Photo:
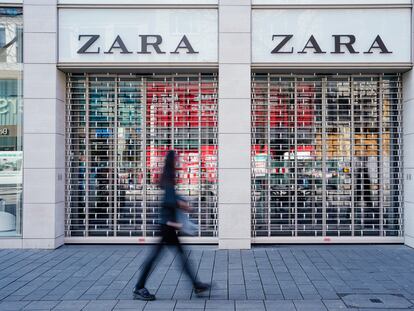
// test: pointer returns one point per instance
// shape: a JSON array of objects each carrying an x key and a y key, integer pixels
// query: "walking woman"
[{"x": 169, "y": 225}]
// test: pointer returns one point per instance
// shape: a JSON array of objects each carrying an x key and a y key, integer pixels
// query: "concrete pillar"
[
  {"x": 408, "y": 130},
  {"x": 408, "y": 145},
  {"x": 44, "y": 158},
  {"x": 234, "y": 124}
]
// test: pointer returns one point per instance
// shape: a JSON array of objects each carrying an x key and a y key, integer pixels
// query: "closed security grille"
[
  {"x": 326, "y": 156},
  {"x": 118, "y": 130}
]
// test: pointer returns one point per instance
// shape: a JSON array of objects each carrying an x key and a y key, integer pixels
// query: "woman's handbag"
[{"x": 188, "y": 227}]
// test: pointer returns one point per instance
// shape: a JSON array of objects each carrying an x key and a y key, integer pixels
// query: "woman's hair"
[{"x": 168, "y": 174}]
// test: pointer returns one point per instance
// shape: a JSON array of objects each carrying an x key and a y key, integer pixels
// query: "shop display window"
[
  {"x": 326, "y": 155},
  {"x": 120, "y": 128},
  {"x": 11, "y": 120}
]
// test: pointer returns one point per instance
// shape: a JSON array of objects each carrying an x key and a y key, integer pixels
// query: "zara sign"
[
  {"x": 342, "y": 44},
  {"x": 138, "y": 36},
  {"x": 148, "y": 45},
  {"x": 331, "y": 36}
]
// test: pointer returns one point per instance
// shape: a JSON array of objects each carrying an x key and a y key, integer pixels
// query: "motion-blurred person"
[{"x": 171, "y": 203}]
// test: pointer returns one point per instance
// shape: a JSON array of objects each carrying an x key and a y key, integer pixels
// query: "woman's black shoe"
[
  {"x": 143, "y": 294},
  {"x": 201, "y": 287}
]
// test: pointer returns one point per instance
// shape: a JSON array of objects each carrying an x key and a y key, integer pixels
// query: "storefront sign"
[
  {"x": 137, "y": 36},
  {"x": 342, "y": 44},
  {"x": 331, "y": 36},
  {"x": 148, "y": 44},
  {"x": 10, "y": 106}
]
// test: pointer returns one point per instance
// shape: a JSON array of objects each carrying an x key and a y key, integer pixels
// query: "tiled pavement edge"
[{"x": 299, "y": 278}]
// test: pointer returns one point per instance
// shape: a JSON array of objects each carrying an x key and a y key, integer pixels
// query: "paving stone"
[
  {"x": 219, "y": 285},
  {"x": 14, "y": 298},
  {"x": 110, "y": 294},
  {"x": 255, "y": 294},
  {"x": 273, "y": 297},
  {"x": 307, "y": 289},
  {"x": 160, "y": 305},
  {"x": 249, "y": 305},
  {"x": 191, "y": 305},
  {"x": 41, "y": 305},
  {"x": 328, "y": 294},
  {"x": 218, "y": 294},
  {"x": 165, "y": 292},
  {"x": 13, "y": 305},
  {"x": 237, "y": 292},
  {"x": 106, "y": 274},
  {"x": 280, "y": 305},
  {"x": 100, "y": 305},
  {"x": 182, "y": 294},
  {"x": 71, "y": 305},
  {"x": 130, "y": 304},
  {"x": 334, "y": 305},
  {"x": 225, "y": 305},
  {"x": 309, "y": 305}
]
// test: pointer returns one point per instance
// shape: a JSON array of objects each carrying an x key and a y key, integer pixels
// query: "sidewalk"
[{"x": 302, "y": 278}]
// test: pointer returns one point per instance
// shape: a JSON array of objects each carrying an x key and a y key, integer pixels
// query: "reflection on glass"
[
  {"x": 120, "y": 128},
  {"x": 326, "y": 155},
  {"x": 11, "y": 152}
]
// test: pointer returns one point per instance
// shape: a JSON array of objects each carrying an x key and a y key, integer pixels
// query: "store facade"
[{"x": 292, "y": 121}]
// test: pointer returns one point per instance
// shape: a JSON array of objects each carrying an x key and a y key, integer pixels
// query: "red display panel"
[
  {"x": 159, "y": 104},
  {"x": 188, "y": 167},
  {"x": 155, "y": 162},
  {"x": 280, "y": 109},
  {"x": 188, "y": 164},
  {"x": 209, "y": 164},
  {"x": 208, "y": 105},
  {"x": 279, "y": 113},
  {"x": 306, "y": 99},
  {"x": 182, "y": 106}
]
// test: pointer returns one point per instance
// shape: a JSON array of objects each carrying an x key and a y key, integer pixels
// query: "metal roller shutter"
[
  {"x": 326, "y": 156},
  {"x": 118, "y": 130}
]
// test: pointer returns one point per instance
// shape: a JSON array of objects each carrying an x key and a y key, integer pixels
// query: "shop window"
[
  {"x": 3, "y": 49},
  {"x": 11, "y": 114},
  {"x": 120, "y": 129},
  {"x": 326, "y": 154}
]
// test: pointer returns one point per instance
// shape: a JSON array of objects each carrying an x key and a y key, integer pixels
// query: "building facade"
[{"x": 292, "y": 120}]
